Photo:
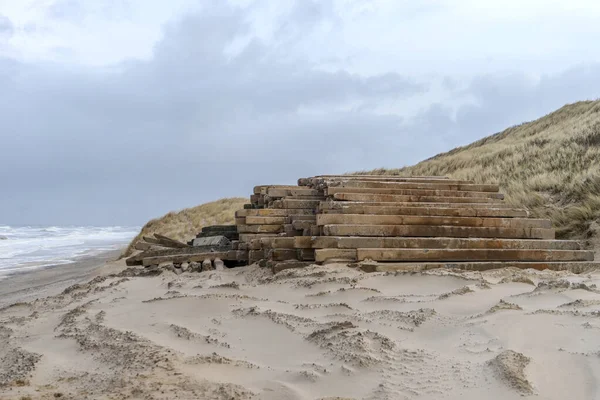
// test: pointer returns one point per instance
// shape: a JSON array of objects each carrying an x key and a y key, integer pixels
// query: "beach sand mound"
[{"x": 510, "y": 365}]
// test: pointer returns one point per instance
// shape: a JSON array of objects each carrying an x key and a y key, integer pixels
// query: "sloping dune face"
[
  {"x": 550, "y": 166},
  {"x": 313, "y": 333}
]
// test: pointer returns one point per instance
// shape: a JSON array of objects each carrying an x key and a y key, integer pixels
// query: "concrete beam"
[
  {"x": 272, "y": 212},
  {"x": 473, "y": 255},
  {"x": 247, "y": 237},
  {"x": 575, "y": 267},
  {"x": 303, "y": 242},
  {"x": 260, "y": 228},
  {"x": 266, "y": 220},
  {"x": 181, "y": 258},
  {"x": 342, "y": 242},
  {"x": 437, "y": 231},
  {"x": 358, "y": 219},
  {"x": 322, "y": 255},
  {"x": 280, "y": 266},
  {"x": 283, "y": 254},
  {"x": 367, "y": 197},
  {"x": 283, "y": 243},
  {"x": 415, "y": 185},
  {"x": 414, "y": 192},
  {"x": 337, "y": 205},
  {"x": 352, "y": 208},
  {"x": 293, "y": 192}
]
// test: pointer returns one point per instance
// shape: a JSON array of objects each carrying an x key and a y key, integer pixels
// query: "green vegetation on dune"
[
  {"x": 550, "y": 166},
  {"x": 185, "y": 224}
]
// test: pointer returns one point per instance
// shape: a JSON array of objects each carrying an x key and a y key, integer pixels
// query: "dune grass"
[
  {"x": 185, "y": 224},
  {"x": 550, "y": 166}
]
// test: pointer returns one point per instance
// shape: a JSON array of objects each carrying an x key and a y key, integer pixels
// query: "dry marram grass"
[
  {"x": 185, "y": 224},
  {"x": 550, "y": 166}
]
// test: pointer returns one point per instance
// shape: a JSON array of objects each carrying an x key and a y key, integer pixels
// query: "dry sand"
[{"x": 316, "y": 333}]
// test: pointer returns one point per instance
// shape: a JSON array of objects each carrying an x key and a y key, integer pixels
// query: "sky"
[{"x": 113, "y": 112}]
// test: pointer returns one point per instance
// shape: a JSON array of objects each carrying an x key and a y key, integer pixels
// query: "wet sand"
[
  {"x": 323, "y": 332},
  {"x": 32, "y": 284}
]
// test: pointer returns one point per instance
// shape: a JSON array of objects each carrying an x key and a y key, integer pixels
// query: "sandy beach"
[
  {"x": 32, "y": 284},
  {"x": 323, "y": 332}
]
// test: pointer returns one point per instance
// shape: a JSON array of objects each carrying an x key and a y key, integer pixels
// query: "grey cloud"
[
  {"x": 192, "y": 125},
  {"x": 6, "y": 27},
  {"x": 122, "y": 145}
]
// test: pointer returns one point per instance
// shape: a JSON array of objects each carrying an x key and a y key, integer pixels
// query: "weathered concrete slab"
[
  {"x": 255, "y": 244},
  {"x": 322, "y": 255},
  {"x": 283, "y": 243},
  {"x": 255, "y": 256},
  {"x": 283, "y": 254},
  {"x": 378, "y": 176},
  {"x": 437, "y": 231},
  {"x": 263, "y": 189},
  {"x": 211, "y": 241},
  {"x": 147, "y": 246},
  {"x": 260, "y": 228},
  {"x": 280, "y": 266},
  {"x": 272, "y": 212},
  {"x": 273, "y": 201},
  {"x": 419, "y": 199},
  {"x": 301, "y": 225},
  {"x": 575, "y": 267},
  {"x": 356, "y": 219},
  {"x": 138, "y": 258},
  {"x": 188, "y": 257},
  {"x": 414, "y": 192},
  {"x": 236, "y": 255},
  {"x": 320, "y": 183},
  {"x": 303, "y": 242},
  {"x": 247, "y": 237},
  {"x": 266, "y": 220},
  {"x": 302, "y": 218},
  {"x": 337, "y": 205},
  {"x": 315, "y": 230},
  {"x": 299, "y": 204},
  {"x": 289, "y": 230},
  {"x": 306, "y": 254},
  {"x": 207, "y": 264},
  {"x": 345, "y": 242},
  {"x": 352, "y": 208},
  {"x": 163, "y": 243},
  {"x": 473, "y": 255},
  {"x": 293, "y": 191},
  {"x": 414, "y": 185},
  {"x": 265, "y": 242}
]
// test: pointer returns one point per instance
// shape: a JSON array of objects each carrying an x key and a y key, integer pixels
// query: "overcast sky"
[{"x": 113, "y": 112}]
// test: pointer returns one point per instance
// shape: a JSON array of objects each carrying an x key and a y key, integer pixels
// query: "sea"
[{"x": 26, "y": 248}]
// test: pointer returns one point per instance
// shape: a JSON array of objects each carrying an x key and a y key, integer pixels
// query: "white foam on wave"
[{"x": 28, "y": 247}]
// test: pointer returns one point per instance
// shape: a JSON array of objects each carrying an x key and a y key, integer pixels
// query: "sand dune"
[{"x": 323, "y": 332}]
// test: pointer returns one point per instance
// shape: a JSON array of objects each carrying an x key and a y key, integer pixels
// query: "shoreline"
[{"x": 31, "y": 284}]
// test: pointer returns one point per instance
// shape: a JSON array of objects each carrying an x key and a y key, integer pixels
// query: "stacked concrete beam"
[
  {"x": 432, "y": 220},
  {"x": 277, "y": 211},
  {"x": 399, "y": 222}
]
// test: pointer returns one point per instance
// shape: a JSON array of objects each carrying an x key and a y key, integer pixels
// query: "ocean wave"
[{"x": 40, "y": 246}]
